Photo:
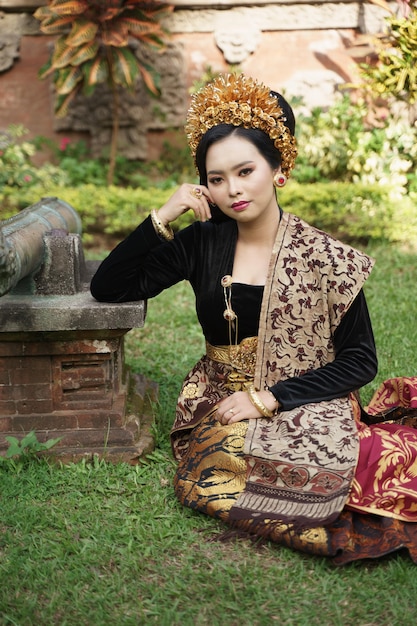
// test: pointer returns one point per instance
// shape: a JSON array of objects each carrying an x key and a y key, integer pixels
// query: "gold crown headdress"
[{"x": 241, "y": 101}]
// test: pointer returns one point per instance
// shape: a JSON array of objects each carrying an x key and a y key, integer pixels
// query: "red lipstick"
[{"x": 240, "y": 206}]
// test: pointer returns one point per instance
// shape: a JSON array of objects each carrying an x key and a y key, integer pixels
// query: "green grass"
[
  {"x": 96, "y": 544},
  {"x": 392, "y": 298}
]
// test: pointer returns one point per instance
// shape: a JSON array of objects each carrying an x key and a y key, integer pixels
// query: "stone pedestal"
[{"x": 62, "y": 374}]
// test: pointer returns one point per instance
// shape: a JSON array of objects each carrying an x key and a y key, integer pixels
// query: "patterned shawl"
[{"x": 301, "y": 463}]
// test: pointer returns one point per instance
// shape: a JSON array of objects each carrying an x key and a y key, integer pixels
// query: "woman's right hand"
[{"x": 188, "y": 197}]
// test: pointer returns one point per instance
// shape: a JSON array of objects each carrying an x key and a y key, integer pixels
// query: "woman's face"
[{"x": 240, "y": 180}]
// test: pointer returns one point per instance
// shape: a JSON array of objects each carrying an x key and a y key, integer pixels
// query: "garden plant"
[{"x": 94, "y": 46}]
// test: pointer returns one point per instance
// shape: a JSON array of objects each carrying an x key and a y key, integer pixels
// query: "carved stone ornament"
[
  {"x": 238, "y": 43},
  {"x": 10, "y": 33}
]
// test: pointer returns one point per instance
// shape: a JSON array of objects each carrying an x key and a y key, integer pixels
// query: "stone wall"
[{"x": 301, "y": 48}]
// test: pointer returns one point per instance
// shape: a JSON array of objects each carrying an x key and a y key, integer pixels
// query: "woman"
[{"x": 268, "y": 432}]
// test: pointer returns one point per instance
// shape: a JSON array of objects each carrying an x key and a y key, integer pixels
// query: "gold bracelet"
[
  {"x": 257, "y": 402},
  {"x": 163, "y": 231}
]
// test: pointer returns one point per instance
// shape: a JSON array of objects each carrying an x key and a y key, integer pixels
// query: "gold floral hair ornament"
[{"x": 241, "y": 101}]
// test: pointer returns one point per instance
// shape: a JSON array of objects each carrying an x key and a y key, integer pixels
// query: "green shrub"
[
  {"x": 338, "y": 144},
  {"x": 352, "y": 212},
  {"x": 114, "y": 211},
  {"x": 15, "y": 154},
  {"x": 16, "y": 168},
  {"x": 174, "y": 166}
]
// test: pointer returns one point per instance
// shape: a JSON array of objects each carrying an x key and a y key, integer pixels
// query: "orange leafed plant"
[{"x": 92, "y": 45}]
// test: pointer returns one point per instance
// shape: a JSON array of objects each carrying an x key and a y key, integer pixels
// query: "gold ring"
[{"x": 196, "y": 192}]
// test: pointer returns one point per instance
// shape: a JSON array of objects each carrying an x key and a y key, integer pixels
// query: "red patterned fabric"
[
  {"x": 392, "y": 393},
  {"x": 385, "y": 480}
]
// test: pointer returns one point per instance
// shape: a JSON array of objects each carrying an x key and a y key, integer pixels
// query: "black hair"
[{"x": 289, "y": 120}]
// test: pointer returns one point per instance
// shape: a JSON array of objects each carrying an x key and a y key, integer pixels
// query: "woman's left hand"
[{"x": 238, "y": 407}]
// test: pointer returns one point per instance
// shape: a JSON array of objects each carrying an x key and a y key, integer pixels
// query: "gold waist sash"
[{"x": 241, "y": 357}]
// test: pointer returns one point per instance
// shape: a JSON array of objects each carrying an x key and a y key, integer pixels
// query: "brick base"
[{"x": 75, "y": 386}]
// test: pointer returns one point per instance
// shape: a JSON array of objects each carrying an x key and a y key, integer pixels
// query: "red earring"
[{"x": 279, "y": 179}]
